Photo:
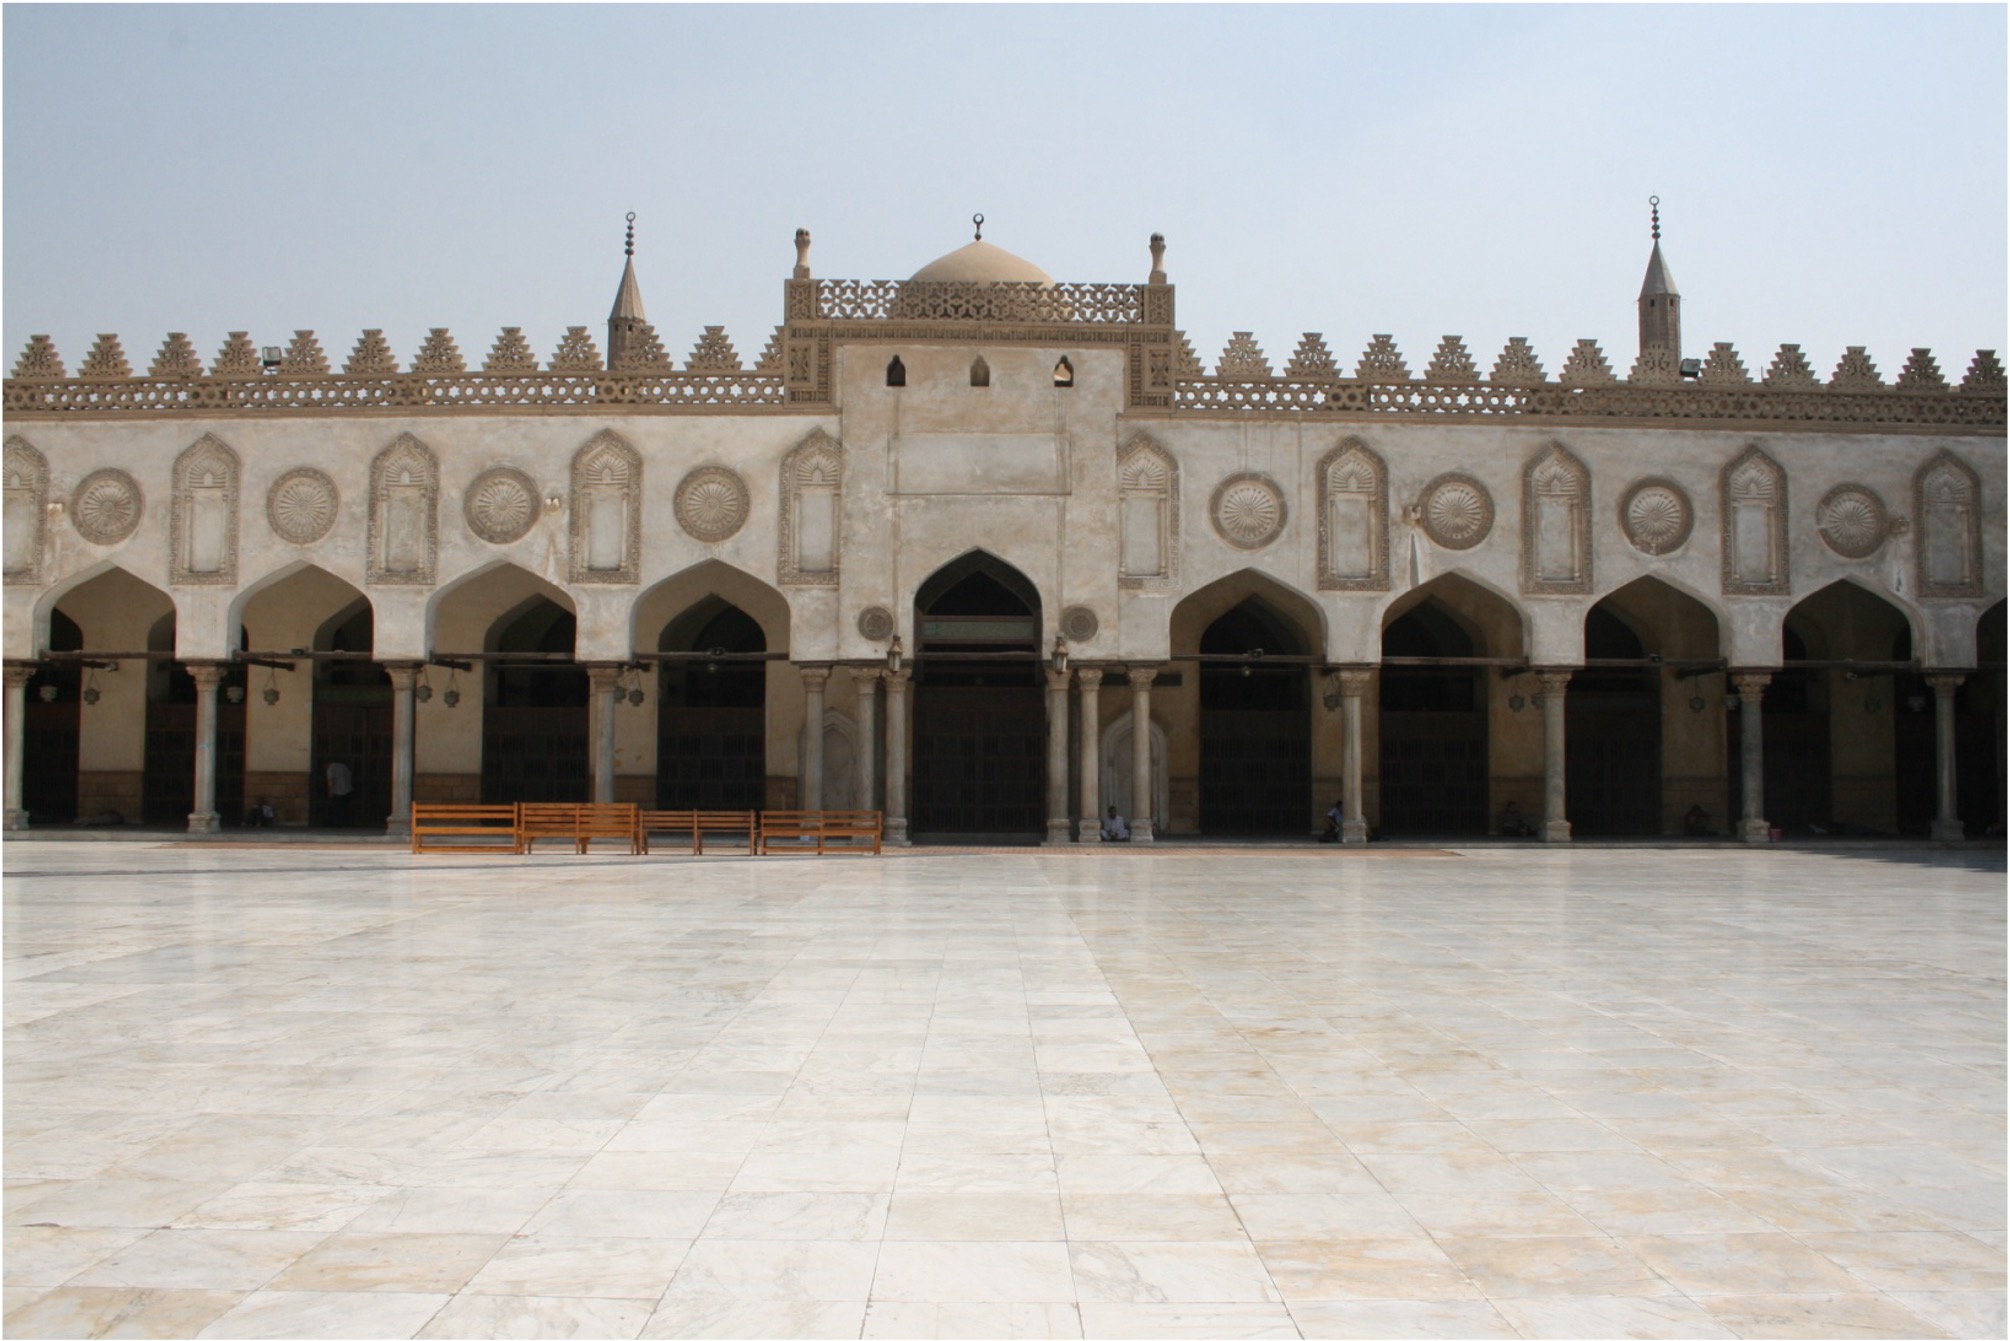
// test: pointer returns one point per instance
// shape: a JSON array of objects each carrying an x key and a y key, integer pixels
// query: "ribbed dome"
[{"x": 982, "y": 263}]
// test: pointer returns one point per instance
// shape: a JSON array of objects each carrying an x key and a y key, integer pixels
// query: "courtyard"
[{"x": 333, "y": 1090}]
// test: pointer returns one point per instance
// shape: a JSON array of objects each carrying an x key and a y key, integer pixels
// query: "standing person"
[
  {"x": 341, "y": 795},
  {"x": 1116, "y": 829}
]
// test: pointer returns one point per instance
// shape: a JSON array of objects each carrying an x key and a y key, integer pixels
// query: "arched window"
[
  {"x": 1064, "y": 373},
  {"x": 980, "y": 372},
  {"x": 896, "y": 372}
]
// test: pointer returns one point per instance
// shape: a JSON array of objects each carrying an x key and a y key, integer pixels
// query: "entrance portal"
[
  {"x": 1612, "y": 731},
  {"x": 534, "y": 713},
  {"x": 1434, "y": 728},
  {"x": 1255, "y": 725},
  {"x": 711, "y": 722},
  {"x": 980, "y": 726}
]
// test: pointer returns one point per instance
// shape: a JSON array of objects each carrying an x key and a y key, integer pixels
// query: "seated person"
[
  {"x": 261, "y": 815},
  {"x": 1115, "y": 828},
  {"x": 1513, "y": 824},
  {"x": 1696, "y": 824},
  {"x": 1333, "y": 819}
]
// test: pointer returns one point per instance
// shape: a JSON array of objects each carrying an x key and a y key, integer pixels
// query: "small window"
[
  {"x": 1064, "y": 373},
  {"x": 980, "y": 372},
  {"x": 896, "y": 372}
]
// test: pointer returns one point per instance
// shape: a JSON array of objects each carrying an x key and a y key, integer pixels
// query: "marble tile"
[
  {"x": 1378, "y": 1318},
  {"x": 200, "y": 1259},
  {"x": 1525, "y": 1267},
  {"x": 1171, "y": 1273},
  {"x": 892, "y": 1319},
  {"x": 776, "y": 1269},
  {"x": 413, "y": 1263},
  {"x": 96, "y": 1310},
  {"x": 799, "y": 1215},
  {"x": 629, "y": 1214},
  {"x": 727, "y": 1316},
  {"x": 1707, "y": 1264},
  {"x": 1598, "y": 1317},
  {"x": 973, "y": 1273},
  {"x": 270, "y": 1313},
  {"x": 448, "y": 1210},
  {"x": 592, "y": 1267},
  {"x": 925, "y": 1214},
  {"x": 536, "y": 1318},
  {"x": 1411, "y": 1267},
  {"x": 298, "y": 1206},
  {"x": 1203, "y": 1322},
  {"x": 1973, "y": 1313},
  {"x": 116, "y": 1203},
  {"x": 1799, "y": 1315}
]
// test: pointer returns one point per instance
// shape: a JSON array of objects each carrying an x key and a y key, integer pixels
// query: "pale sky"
[{"x": 1829, "y": 175}]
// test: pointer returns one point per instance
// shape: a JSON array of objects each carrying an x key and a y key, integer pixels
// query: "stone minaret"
[
  {"x": 626, "y": 319},
  {"x": 1660, "y": 304}
]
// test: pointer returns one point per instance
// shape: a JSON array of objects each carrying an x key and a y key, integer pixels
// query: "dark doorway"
[
  {"x": 50, "y": 730},
  {"x": 534, "y": 713},
  {"x": 352, "y": 721},
  {"x": 1433, "y": 727},
  {"x": 168, "y": 780},
  {"x": 1255, "y": 726},
  {"x": 980, "y": 727},
  {"x": 1612, "y": 734},
  {"x": 712, "y": 719},
  {"x": 1799, "y": 787}
]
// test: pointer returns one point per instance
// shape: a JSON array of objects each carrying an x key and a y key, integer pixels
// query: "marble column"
[
  {"x": 1057, "y": 758},
  {"x": 896, "y": 757},
  {"x": 1751, "y": 686},
  {"x": 17, "y": 737},
  {"x": 605, "y": 680},
  {"x": 1089, "y": 828},
  {"x": 1353, "y": 818},
  {"x": 404, "y": 678},
  {"x": 866, "y": 681},
  {"x": 1141, "y": 755},
  {"x": 1946, "y": 818},
  {"x": 1555, "y": 823},
  {"x": 811, "y": 791},
  {"x": 207, "y": 676}
]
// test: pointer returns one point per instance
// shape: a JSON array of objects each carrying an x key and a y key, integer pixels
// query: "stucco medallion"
[
  {"x": 1457, "y": 511},
  {"x": 106, "y": 507},
  {"x": 301, "y": 505},
  {"x": 875, "y": 624},
  {"x": 1079, "y": 623},
  {"x": 1248, "y": 510},
  {"x": 501, "y": 505},
  {"x": 712, "y": 503},
  {"x": 1851, "y": 521},
  {"x": 1656, "y": 516}
]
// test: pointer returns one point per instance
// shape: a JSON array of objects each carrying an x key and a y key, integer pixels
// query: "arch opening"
[
  {"x": 711, "y": 723},
  {"x": 534, "y": 707},
  {"x": 1255, "y": 723}
]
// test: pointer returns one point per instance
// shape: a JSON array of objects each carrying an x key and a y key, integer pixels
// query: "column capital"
[
  {"x": 19, "y": 673},
  {"x": 1141, "y": 677},
  {"x": 896, "y": 680},
  {"x": 814, "y": 677},
  {"x": 604, "y": 674},
  {"x": 1057, "y": 681},
  {"x": 1751, "y": 685},
  {"x": 866, "y": 678},
  {"x": 206, "y": 674},
  {"x": 1555, "y": 680},
  {"x": 1946, "y": 682},
  {"x": 404, "y": 674},
  {"x": 1091, "y": 677},
  {"x": 1354, "y": 680}
]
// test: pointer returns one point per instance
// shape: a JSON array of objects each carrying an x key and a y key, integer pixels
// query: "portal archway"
[
  {"x": 979, "y": 723},
  {"x": 328, "y": 709},
  {"x": 54, "y": 705},
  {"x": 711, "y": 722},
  {"x": 1255, "y": 723},
  {"x": 534, "y": 707}
]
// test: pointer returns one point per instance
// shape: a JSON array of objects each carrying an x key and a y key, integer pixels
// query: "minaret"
[
  {"x": 626, "y": 318},
  {"x": 1660, "y": 304}
]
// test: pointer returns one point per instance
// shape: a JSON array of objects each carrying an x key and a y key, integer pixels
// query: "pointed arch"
[
  {"x": 606, "y": 510},
  {"x": 1752, "y": 496},
  {"x": 202, "y": 515},
  {"x": 976, "y": 562},
  {"x": 1199, "y": 609},
  {"x": 666, "y": 599},
  {"x": 1669, "y": 620},
  {"x": 1497, "y": 624},
  {"x": 404, "y": 531},
  {"x": 1852, "y": 620},
  {"x": 1947, "y": 502},
  {"x": 809, "y": 532},
  {"x": 243, "y": 597},
  {"x": 464, "y": 608},
  {"x": 24, "y": 524},
  {"x": 1147, "y": 515},
  {"x": 1555, "y": 524},
  {"x": 58, "y": 591},
  {"x": 1353, "y": 518},
  {"x": 296, "y": 592}
]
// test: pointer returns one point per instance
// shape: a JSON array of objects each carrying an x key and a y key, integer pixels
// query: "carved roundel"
[
  {"x": 301, "y": 505},
  {"x": 1079, "y": 623},
  {"x": 1248, "y": 510},
  {"x": 106, "y": 507},
  {"x": 1457, "y": 511},
  {"x": 1656, "y": 516},
  {"x": 501, "y": 505},
  {"x": 712, "y": 503},
  {"x": 875, "y": 624},
  {"x": 1852, "y": 521}
]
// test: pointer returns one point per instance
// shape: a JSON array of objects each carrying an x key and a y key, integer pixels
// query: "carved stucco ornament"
[
  {"x": 107, "y": 506},
  {"x": 1079, "y": 623},
  {"x": 875, "y": 623},
  {"x": 1656, "y": 516},
  {"x": 1248, "y": 510},
  {"x": 1852, "y": 521},
  {"x": 712, "y": 504},
  {"x": 1456, "y": 511},
  {"x": 501, "y": 505},
  {"x": 301, "y": 505}
]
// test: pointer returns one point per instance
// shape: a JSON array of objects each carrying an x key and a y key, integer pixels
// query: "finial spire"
[
  {"x": 978, "y": 220},
  {"x": 629, "y": 248},
  {"x": 1653, "y": 203}
]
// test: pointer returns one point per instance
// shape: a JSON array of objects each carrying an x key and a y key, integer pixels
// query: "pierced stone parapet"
[
  {"x": 303, "y": 357},
  {"x": 1312, "y": 360},
  {"x": 177, "y": 358},
  {"x": 936, "y": 300},
  {"x": 106, "y": 360}
]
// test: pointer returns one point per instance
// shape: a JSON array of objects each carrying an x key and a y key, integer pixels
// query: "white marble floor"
[{"x": 1503, "y": 1092}]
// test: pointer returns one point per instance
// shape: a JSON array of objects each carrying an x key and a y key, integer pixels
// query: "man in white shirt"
[
  {"x": 1116, "y": 829},
  {"x": 341, "y": 795}
]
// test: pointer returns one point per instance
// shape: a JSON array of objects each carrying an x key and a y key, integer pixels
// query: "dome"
[{"x": 982, "y": 263}]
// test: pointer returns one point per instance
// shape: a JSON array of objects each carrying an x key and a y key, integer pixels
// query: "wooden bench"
[
  {"x": 440, "y": 827},
  {"x": 798, "y": 829},
  {"x": 693, "y": 825},
  {"x": 615, "y": 821},
  {"x": 578, "y": 823}
]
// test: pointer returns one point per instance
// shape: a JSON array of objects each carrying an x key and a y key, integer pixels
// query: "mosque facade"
[{"x": 994, "y": 553}]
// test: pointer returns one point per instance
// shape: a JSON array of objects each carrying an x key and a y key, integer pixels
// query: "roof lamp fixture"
[
  {"x": 270, "y": 357},
  {"x": 91, "y": 694},
  {"x": 452, "y": 697},
  {"x": 894, "y": 656},
  {"x": 234, "y": 693},
  {"x": 1692, "y": 369},
  {"x": 424, "y": 693},
  {"x": 271, "y": 694},
  {"x": 1060, "y": 657}
]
